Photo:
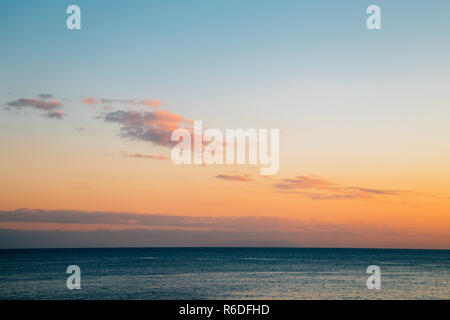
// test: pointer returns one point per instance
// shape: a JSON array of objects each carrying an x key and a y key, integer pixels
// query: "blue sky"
[
  {"x": 289, "y": 63},
  {"x": 203, "y": 56},
  {"x": 308, "y": 67}
]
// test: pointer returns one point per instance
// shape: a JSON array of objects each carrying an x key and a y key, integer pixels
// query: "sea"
[{"x": 224, "y": 273}]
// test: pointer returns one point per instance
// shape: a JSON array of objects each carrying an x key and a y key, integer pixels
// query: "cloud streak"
[
  {"x": 45, "y": 96},
  {"x": 142, "y": 156},
  {"x": 36, "y": 104},
  {"x": 236, "y": 177},
  {"x": 144, "y": 102},
  {"x": 317, "y": 188}
]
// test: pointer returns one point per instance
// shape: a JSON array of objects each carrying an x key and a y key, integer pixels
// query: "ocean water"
[{"x": 224, "y": 273}]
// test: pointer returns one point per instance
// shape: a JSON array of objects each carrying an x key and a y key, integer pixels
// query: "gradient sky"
[{"x": 364, "y": 116}]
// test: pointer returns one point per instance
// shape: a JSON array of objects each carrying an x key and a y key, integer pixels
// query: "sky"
[{"x": 364, "y": 120}]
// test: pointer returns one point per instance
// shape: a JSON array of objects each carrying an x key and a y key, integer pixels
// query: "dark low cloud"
[
  {"x": 134, "y": 219},
  {"x": 147, "y": 230},
  {"x": 14, "y": 239},
  {"x": 161, "y": 220}
]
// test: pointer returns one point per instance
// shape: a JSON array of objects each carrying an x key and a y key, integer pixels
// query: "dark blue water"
[{"x": 224, "y": 273}]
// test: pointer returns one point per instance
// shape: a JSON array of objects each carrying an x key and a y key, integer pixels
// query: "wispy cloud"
[
  {"x": 153, "y": 103},
  {"x": 306, "y": 182},
  {"x": 36, "y": 104},
  {"x": 45, "y": 96},
  {"x": 142, "y": 156},
  {"x": 236, "y": 177},
  {"x": 149, "y": 103},
  {"x": 317, "y": 188}
]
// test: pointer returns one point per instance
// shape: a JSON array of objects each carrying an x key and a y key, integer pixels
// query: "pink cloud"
[
  {"x": 91, "y": 101},
  {"x": 156, "y": 126},
  {"x": 36, "y": 103},
  {"x": 150, "y": 103}
]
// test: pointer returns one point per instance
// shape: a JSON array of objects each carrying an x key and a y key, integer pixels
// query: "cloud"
[
  {"x": 91, "y": 101},
  {"x": 379, "y": 191},
  {"x": 156, "y": 126},
  {"x": 236, "y": 177},
  {"x": 58, "y": 114},
  {"x": 45, "y": 96},
  {"x": 324, "y": 196},
  {"x": 305, "y": 182},
  {"x": 329, "y": 190},
  {"x": 245, "y": 223},
  {"x": 36, "y": 103},
  {"x": 170, "y": 230},
  {"x": 52, "y": 107},
  {"x": 148, "y": 103},
  {"x": 142, "y": 156}
]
